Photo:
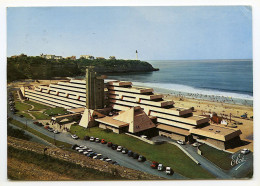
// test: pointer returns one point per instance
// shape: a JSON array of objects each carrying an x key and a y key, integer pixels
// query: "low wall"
[
  {"x": 180, "y": 147},
  {"x": 143, "y": 139}
]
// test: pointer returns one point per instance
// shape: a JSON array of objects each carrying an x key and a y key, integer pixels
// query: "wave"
[{"x": 166, "y": 87}]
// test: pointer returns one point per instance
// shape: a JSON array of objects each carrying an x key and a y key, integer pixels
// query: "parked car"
[
  {"x": 86, "y": 152},
  {"x": 86, "y": 138},
  {"x": 108, "y": 160},
  {"x": 21, "y": 116},
  {"x": 124, "y": 151},
  {"x": 40, "y": 124},
  {"x": 143, "y": 136},
  {"x": 89, "y": 150},
  {"x": 141, "y": 158},
  {"x": 97, "y": 140},
  {"x": 103, "y": 141},
  {"x": 160, "y": 167},
  {"x": 77, "y": 148},
  {"x": 169, "y": 171},
  {"x": 114, "y": 163},
  {"x": 135, "y": 155},
  {"x": 56, "y": 132},
  {"x": 119, "y": 148},
  {"x": 196, "y": 144},
  {"x": 130, "y": 153},
  {"x": 181, "y": 142},
  {"x": 35, "y": 122},
  {"x": 74, "y": 136},
  {"x": 92, "y": 139},
  {"x": 154, "y": 165},
  {"x": 85, "y": 147},
  {"x": 81, "y": 150},
  {"x": 104, "y": 158},
  {"x": 50, "y": 129},
  {"x": 109, "y": 144},
  {"x": 98, "y": 156},
  {"x": 245, "y": 151},
  {"x": 74, "y": 146},
  {"x": 46, "y": 127},
  {"x": 114, "y": 146},
  {"x": 92, "y": 154}
]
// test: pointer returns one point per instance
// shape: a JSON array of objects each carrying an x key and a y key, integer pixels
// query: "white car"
[
  {"x": 119, "y": 148},
  {"x": 56, "y": 132},
  {"x": 245, "y": 151},
  {"x": 98, "y": 156},
  {"x": 92, "y": 139},
  {"x": 160, "y": 167},
  {"x": 181, "y": 142},
  {"x": 77, "y": 148},
  {"x": 108, "y": 160},
  {"x": 85, "y": 148},
  {"x": 196, "y": 144},
  {"x": 143, "y": 136},
  {"x": 80, "y": 150},
  {"x": 74, "y": 136},
  {"x": 168, "y": 170}
]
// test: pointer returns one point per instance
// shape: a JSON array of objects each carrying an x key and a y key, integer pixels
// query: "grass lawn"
[
  {"x": 218, "y": 157},
  {"x": 50, "y": 164},
  {"x": 21, "y": 106},
  {"x": 37, "y": 106},
  {"x": 40, "y": 116},
  {"x": 35, "y": 132},
  {"x": 55, "y": 111},
  {"x": 167, "y": 154},
  {"x": 24, "y": 114}
]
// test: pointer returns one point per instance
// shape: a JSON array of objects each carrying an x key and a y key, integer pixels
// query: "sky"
[{"x": 157, "y": 33}]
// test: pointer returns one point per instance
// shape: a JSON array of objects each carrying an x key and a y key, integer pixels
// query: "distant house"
[
  {"x": 50, "y": 56},
  {"x": 87, "y": 57},
  {"x": 71, "y": 57},
  {"x": 58, "y": 57},
  {"x": 112, "y": 57},
  {"x": 100, "y": 58}
]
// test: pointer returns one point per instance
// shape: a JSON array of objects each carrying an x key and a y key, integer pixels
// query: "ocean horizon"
[{"x": 232, "y": 79}]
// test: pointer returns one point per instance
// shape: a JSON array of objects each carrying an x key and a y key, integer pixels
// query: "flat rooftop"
[
  {"x": 217, "y": 132},
  {"x": 173, "y": 129},
  {"x": 112, "y": 122}
]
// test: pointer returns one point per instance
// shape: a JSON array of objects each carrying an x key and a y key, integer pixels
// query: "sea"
[{"x": 228, "y": 81}]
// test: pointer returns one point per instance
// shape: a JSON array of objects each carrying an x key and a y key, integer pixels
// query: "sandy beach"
[{"x": 222, "y": 109}]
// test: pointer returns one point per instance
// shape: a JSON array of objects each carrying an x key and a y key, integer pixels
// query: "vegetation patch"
[
  {"x": 17, "y": 133},
  {"x": 64, "y": 168},
  {"x": 22, "y": 106},
  {"x": 37, "y": 106},
  {"x": 56, "y": 111},
  {"x": 218, "y": 157},
  {"x": 167, "y": 154},
  {"x": 35, "y": 132},
  {"x": 40, "y": 116}
]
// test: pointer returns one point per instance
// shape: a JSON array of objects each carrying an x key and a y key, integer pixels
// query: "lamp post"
[{"x": 54, "y": 139}]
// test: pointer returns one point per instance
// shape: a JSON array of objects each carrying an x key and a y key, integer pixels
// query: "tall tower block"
[{"x": 94, "y": 89}]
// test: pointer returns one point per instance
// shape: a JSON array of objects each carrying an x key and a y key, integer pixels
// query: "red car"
[
  {"x": 103, "y": 141},
  {"x": 35, "y": 122},
  {"x": 46, "y": 127},
  {"x": 154, "y": 165}
]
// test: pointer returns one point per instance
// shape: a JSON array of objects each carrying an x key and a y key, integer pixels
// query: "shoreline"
[{"x": 198, "y": 96}]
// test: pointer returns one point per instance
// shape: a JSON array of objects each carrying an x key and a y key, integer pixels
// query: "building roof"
[
  {"x": 112, "y": 122},
  {"x": 173, "y": 129},
  {"x": 217, "y": 132}
]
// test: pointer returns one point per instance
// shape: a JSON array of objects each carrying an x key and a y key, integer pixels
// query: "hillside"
[
  {"x": 58, "y": 164},
  {"x": 23, "y": 67}
]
